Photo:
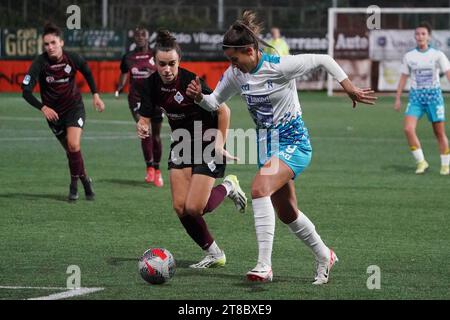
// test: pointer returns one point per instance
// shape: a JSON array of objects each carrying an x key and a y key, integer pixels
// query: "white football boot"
[
  {"x": 262, "y": 273},
  {"x": 323, "y": 269}
]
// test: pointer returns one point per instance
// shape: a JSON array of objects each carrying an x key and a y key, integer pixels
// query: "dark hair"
[
  {"x": 244, "y": 33},
  {"x": 140, "y": 27},
  {"x": 166, "y": 42},
  {"x": 51, "y": 28},
  {"x": 426, "y": 25}
]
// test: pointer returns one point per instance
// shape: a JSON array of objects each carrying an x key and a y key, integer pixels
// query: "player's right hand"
[
  {"x": 142, "y": 128},
  {"x": 50, "y": 114},
  {"x": 194, "y": 90}
]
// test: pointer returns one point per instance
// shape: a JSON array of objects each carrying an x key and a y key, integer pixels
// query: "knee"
[
  {"x": 193, "y": 210},
  {"x": 409, "y": 129},
  {"x": 260, "y": 191},
  {"x": 179, "y": 209},
  {"x": 73, "y": 147}
]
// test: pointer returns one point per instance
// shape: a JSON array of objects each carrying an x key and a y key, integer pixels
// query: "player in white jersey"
[
  {"x": 423, "y": 65},
  {"x": 267, "y": 83}
]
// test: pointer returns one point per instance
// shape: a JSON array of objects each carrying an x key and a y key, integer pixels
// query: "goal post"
[{"x": 365, "y": 13}]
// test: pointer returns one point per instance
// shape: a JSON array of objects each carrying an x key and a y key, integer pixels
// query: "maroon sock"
[
  {"x": 75, "y": 165},
  {"x": 218, "y": 194},
  {"x": 147, "y": 150},
  {"x": 157, "y": 149},
  {"x": 198, "y": 230}
]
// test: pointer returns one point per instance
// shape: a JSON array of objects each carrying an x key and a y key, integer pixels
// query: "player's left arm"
[
  {"x": 223, "y": 124},
  {"x": 444, "y": 65},
  {"x": 82, "y": 65},
  {"x": 295, "y": 66}
]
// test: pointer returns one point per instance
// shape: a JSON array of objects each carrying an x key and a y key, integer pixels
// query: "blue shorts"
[
  {"x": 429, "y": 102},
  {"x": 297, "y": 157}
]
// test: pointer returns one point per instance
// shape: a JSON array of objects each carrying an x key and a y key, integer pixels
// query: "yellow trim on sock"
[{"x": 413, "y": 148}]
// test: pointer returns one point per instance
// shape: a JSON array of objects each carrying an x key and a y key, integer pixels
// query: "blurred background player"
[
  {"x": 62, "y": 104},
  {"x": 425, "y": 97},
  {"x": 267, "y": 83},
  {"x": 192, "y": 177},
  {"x": 140, "y": 64},
  {"x": 277, "y": 45}
]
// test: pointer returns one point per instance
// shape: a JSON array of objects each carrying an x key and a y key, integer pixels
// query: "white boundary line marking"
[
  {"x": 56, "y": 296},
  {"x": 122, "y": 137},
  {"x": 68, "y": 294},
  {"x": 121, "y": 122}
]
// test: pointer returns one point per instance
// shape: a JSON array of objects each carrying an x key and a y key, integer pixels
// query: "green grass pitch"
[{"x": 360, "y": 191}]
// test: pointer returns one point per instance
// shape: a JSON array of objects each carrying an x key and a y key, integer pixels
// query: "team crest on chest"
[
  {"x": 178, "y": 97},
  {"x": 68, "y": 68}
]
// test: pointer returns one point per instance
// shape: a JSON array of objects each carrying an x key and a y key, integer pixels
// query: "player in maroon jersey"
[
  {"x": 192, "y": 176},
  {"x": 62, "y": 104},
  {"x": 140, "y": 64}
]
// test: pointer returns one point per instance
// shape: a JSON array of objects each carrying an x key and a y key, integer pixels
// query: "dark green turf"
[{"x": 360, "y": 191}]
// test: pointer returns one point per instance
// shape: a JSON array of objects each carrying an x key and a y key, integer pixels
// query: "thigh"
[
  {"x": 134, "y": 110},
  {"x": 156, "y": 128},
  {"x": 439, "y": 128},
  {"x": 271, "y": 177},
  {"x": 180, "y": 180},
  {"x": 410, "y": 122},
  {"x": 285, "y": 203},
  {"x": 199, "y": 192},
  {"x": 74, "y": 137}
]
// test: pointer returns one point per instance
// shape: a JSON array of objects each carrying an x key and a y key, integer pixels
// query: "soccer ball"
[{"x": 157, "y": 265}]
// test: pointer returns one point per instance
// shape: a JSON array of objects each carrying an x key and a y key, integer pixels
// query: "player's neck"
[
  {"x": 423, "y": 48},
  {"x": 143, "y": 49}
]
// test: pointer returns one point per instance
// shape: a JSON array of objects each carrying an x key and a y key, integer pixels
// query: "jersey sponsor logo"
[
  {"x": 261, "y": 110},
  {"x": 68, "y": 68},
  {"x": 178, "y": 97},
  {"x": 59, "y": 65},
  {"x": 136, "y": 73},
  {"x": 424, "y": 77},
  {"x": 168, "y": 89},
  {"x": 50, "y": 79},
  {"x": 26, "y": 80}
]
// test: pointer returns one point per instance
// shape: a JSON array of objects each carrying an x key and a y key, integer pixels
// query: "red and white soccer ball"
[{"x": 157, "y": 265}]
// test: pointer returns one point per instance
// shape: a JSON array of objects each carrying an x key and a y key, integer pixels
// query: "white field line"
[
  {"x": 119, "y": 122},
  {"x": 56, "y": 296},
  {"x": 68, "y": 294},
  {"x": 121, "y": 137}
]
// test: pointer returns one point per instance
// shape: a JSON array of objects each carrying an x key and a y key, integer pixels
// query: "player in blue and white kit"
[
  {"x": 423, "y": 65},
  {"x": 267, "y": 84}
]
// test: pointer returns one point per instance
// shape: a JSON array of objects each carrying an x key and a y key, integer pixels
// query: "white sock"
[
  {"x": 418, "y": 155},
  {"x": 213, "y": 249},
  {"x": 264, "y": 214},
  {"x": 445, "y": 159},
  {"x": 228, "y": 186},
  {"x": 304, "y": 229}
]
